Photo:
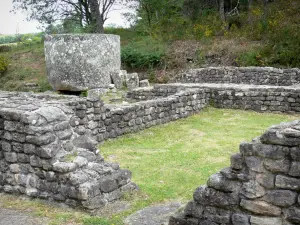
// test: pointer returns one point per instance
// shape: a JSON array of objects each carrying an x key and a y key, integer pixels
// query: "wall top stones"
[{"x": 242, "y": 75}]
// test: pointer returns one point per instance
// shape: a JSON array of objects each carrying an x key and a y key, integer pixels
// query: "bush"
[
  {"x": 3, "y": 64},
  {"x": 250, "y": 58},
  {"x": 144, "y": 54},
  {"x": 5, "y": 48},
  {"x": 286, "y": 48}
]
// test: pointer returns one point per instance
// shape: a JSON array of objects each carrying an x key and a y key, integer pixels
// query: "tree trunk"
[
  {"x": 222, "y": 10},
  {"x": 80, "y": 14},
  {"x": 265, "y": 15},
  {"x": 250, "y": 2},
  {"x": 97, "y": 20}
]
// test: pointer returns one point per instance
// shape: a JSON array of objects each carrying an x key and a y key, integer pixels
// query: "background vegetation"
[{"x": 168, "y": 36}]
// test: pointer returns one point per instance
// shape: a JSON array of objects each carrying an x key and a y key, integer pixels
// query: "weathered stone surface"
[
  {"x": 236, "y": 161},
  {"x": 85, "y": 142},
  {"x": 119, "y": 79},
  {"x": 144, "y": 83},
  {"x": 260, "y": 207},
  {"x": 255, "y": 220},
  {"x": 108, "y": 185},
  {"x": 51, "y": 113},
  {"x": 132, "y": 81},
  {"x": 154, "y": 215},
  {"x": 240, "y": 219},
  {"x": 266, "y": 180},
  {"x": 292, "y": 214},
  {"x": 219, "y": 182},
  {"x": 271, "y": 151},
  {"x": 282, "y": 198},
  {"x": 287, "y": 182},
  {"x": 193, "y": 209},
  {"x": 79, "y": 62},
  {"x": 209, "y": 196},
  {"x": 252, "y": 189},
  {"x": 41, "y": 140},
  {"x": 255, "y": 164},
  {"x": 64, "y": 167},
  {"x": 241, "y": 75},
  {"x": 277, "y": 166},
  {"x": 295, "y": 169}
]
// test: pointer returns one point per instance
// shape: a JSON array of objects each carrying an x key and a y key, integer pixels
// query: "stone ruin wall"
[
  {"x": 42, "y": 155},
  {"x": 261, "y": 187},
  {"x": 111, "y": 121},
  {"x": 285, "y": 99},
  {"x": 48, "y": 147},
  {"x": 242, "y": 75}
]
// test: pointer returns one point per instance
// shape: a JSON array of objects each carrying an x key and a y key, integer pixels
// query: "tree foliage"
[{"x": 85, "y": 13}]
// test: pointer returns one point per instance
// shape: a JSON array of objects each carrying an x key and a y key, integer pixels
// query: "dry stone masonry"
[
  {"x": 260, "y": 98},
  {"x": 43, "y": 155},
  {"x": 48, "y": 144},
  {"x": 242, "y": 75},
  {"x": 261, "y": 186}
]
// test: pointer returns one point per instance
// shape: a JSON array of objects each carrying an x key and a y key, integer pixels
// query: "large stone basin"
[{"x": 77, "y": 62}]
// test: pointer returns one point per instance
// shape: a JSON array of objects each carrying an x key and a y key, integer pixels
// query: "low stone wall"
[
  {"x": 41, "y": 155},
  {"x": 157, "y": 91},
  {"x": 260, "y": 187},
  {"x": 242, "y": 75},
  {"x": 249, "y": 97},
  {"x": 48, "y": 147},
  {"x": 110, "y": 121},
  {"x": 48, "y": 142}
]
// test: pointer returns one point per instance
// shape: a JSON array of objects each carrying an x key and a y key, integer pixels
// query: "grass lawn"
[
  {"x": 168, "y": 161},
  {"x": 26, "y": 65}
]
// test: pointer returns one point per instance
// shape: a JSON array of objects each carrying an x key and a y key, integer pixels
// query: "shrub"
[
  {"x": 286, "y": 48},
  {"x": 5, "y": 48},
  {"x": 3, "y": 64},
  {"x": 144, "y": 54},
  {"x": 249, "y": 58}
]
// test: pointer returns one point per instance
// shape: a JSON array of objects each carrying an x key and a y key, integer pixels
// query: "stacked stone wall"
[
  {"x": 249, "y": 97},
  {"x": 41, "y": 155},
  {"x": 48, "y": 145},
  {"x": 241, "y": 75},
  {"x": 261, "y": 186},
  {"x": 110, "y": 121}
]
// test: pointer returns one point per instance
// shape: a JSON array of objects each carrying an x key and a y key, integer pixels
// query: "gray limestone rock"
[
  {"x": 154, "y": 215},
  {"x": 119, "y": 79},
  {"x": 79, "y": 62},
  {"x": 252, "y": 189},
  {"x": 144, "y": 83},
  {"x": 237, "y": 161},
  {"x": 282, "y": 198},
  {"x": 255, "y": 220},
  {"x": 132, "y": 81},
  {"x": 260, "y": 207},
  {"x": 292, "y": 214},
  {"x": 64, "y": 167},
  {"x": 240, "y": 219},
  {"x": 219, "y": 182},
  {"x": 287, "y": 182},
  {"x": 85, "y": 142},
  {"x": 209, "y": 196}
]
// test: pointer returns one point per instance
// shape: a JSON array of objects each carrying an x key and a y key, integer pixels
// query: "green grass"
[
  {"x": 27, "y": 65},
  {"x": 168, "y": 161}
]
